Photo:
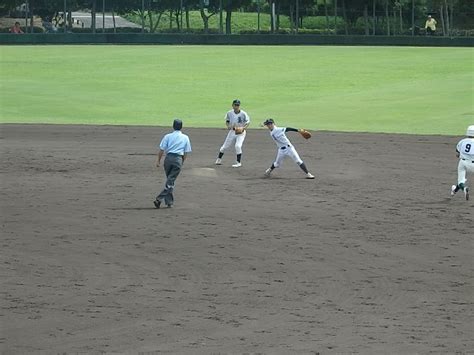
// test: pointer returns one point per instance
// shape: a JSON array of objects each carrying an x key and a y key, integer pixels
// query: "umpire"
[{"x": 176, "y": 146}]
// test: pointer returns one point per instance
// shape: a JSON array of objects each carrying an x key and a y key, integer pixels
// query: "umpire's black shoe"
[{"x": 157, "y": 203}]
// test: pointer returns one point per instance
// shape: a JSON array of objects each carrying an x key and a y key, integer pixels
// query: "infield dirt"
[{"x": 373, "y": 256}]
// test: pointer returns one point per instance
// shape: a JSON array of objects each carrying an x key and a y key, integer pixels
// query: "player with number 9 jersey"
[{"x": 465, "y": 153}]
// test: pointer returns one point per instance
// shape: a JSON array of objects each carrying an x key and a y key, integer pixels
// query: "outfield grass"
[{"x": 376, "y": 89}]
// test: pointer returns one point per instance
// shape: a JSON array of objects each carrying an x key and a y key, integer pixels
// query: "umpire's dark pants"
[{"x": 172, "y": 166}]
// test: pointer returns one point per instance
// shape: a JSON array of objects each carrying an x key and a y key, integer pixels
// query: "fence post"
[
  {"x": 143, "y": 16},
  {"x": 64, "y": 16}
]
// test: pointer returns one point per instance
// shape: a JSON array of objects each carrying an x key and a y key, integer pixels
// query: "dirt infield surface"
[{"x": 371, "y": 257}]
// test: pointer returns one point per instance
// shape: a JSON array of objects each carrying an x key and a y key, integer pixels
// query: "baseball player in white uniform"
[
  {"x": 237, "y": 121},
  {"x": 465, "y": 153},
  {"x": 285, "y": 148}
]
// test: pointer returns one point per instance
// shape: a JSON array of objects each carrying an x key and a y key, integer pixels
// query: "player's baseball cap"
[
  {"x": 236, "y": 102},
  {"x": 268, "y": 121}
]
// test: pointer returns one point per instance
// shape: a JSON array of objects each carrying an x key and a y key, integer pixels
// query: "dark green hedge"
[
  {"x": 287, "y": 31},
  {"x": 246, "y": 39},
  {"x": 107, "y": 30},
  {"x": 139, "y": 30}
]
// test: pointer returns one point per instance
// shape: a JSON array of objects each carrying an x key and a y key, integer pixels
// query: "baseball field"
[{"x": 371, "y": 257}]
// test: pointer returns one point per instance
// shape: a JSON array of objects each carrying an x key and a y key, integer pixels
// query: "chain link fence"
[{"x": 371, "y": 18}]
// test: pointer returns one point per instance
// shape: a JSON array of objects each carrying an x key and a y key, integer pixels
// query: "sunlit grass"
[{"x": 377, "y": 89}]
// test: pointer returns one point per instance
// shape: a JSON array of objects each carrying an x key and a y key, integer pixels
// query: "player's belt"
[
  {"x": 286, "y": 146},
  {"x": 466, "y": 159}
]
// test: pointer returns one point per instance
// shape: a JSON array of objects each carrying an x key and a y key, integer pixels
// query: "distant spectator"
[
  {"x": 48, "y": 25},
  {"x": 430, "y": 26},
  {"x": 16, "y": 28},
  {"x": 58, "y": 20}
]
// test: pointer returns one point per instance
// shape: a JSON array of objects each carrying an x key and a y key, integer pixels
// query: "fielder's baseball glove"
[
  {"x": 239, "y": 130},
  {"x": 304, "y": 133}
]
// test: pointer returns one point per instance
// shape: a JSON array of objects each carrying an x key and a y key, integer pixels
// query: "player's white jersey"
[
  {"x": 237, "y": 119},
  {"x": 279, "y": 136},
  {"x": 465, "y": 148}
]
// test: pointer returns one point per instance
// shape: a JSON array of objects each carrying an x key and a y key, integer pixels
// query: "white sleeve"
[{"x": 247, "y": 118}]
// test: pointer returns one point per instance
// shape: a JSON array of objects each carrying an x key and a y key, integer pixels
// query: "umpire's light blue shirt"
[{"x": 175, "y": 143}]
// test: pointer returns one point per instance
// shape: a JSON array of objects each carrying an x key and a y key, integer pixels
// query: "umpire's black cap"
[
  {"x": 268, "y": 121},
  {"x": 177, "y": 124},
  {"x": 236, "y": 102}
]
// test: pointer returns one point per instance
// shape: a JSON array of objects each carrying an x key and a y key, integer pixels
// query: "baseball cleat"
[
  {"x": 237, "y": 165},
  {"x": 466, "y": 193},
  {"x": 218, "y": 161},
  {"x": 268, "y": 172},
  {"x": 157, "y": 203},
  {"x": 453, "y": 190},
  {"x": 309, "y": 176}
]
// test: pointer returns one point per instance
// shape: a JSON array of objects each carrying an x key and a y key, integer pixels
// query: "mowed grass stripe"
[{"x": 373, "y": 89}]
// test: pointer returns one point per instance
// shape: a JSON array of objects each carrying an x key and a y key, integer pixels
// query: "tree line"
[{"x": 388, "y": 17}]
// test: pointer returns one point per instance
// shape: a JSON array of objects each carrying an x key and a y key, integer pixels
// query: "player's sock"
[
  {"x": 239, "y": 156},
  {"x": 304, "y": 168},
  {"x": 221, "y": 154}
]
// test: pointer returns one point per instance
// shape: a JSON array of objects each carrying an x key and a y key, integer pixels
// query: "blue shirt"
[{"x": 176, "y": 143}]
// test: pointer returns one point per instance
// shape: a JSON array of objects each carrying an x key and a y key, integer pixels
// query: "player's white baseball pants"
[
  {"x": 229, "y": 140},
  {"x": 288, "y": 151},
  {"x": 464, "y": 166}
]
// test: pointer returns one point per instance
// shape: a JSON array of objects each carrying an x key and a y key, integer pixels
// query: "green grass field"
[{"x": 373, "y": 89}]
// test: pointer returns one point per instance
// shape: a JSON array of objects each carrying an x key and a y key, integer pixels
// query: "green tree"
[
  {"x": 295, "y": 10},
  {"x": 150, "y": 11},
  {"x": 207, "y": 9},
  {"x": 229, "y": 6}
]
